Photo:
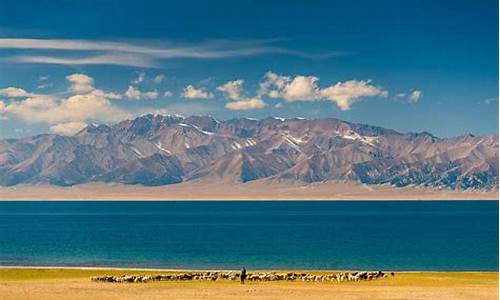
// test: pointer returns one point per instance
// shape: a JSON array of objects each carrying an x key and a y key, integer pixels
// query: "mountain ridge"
[{"x": 168, "y": 149}]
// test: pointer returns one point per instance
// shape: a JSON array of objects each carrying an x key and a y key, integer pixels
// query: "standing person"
[{"x": 243, "y": 275}]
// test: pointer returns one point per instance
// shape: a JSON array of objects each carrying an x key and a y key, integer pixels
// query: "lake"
[{"x": 371, "y": 235}]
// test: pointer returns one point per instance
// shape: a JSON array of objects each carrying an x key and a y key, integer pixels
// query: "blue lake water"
[{"x": 386, "y": 235}]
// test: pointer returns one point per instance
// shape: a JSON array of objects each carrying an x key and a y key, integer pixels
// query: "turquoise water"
[{"x": 438, "y": 235}]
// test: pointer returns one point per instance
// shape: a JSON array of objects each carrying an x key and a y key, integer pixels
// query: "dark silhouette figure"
[{"x": 243, "y": 275}]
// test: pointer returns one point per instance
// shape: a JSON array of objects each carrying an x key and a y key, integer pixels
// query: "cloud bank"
[
  {"x": 82, "y": 102},
  {"x": 65, "y": 115}
]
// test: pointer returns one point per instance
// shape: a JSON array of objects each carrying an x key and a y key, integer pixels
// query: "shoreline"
[
  {"x": 225, "y": 191},
  {"x": 172, "y": 270},
  {"x": 239, "y": 200}
]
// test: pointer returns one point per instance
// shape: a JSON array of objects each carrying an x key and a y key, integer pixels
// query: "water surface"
[{"x": 386, "y": 235}]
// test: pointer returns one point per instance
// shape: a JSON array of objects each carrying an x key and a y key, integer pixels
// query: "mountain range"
[{"x": 156, "y": 150}]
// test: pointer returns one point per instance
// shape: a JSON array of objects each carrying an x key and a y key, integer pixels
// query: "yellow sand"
[{"x": 54, "y": 284}]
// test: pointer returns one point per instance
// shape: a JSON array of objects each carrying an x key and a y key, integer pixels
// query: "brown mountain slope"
[{"x": 159, "y": 150}]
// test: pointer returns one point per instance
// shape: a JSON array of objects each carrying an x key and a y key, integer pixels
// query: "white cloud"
[
  {"x": 159, "y": 78},
  {"x": 233, "y": 91},
  {"x": 191, "y": 92},
  {"x": 415, "y": 96},
  {"x": 270, "y": 81},
  {"x": 345, "y": 93},
  {"x": 44, "y": 85},
  {"x": 44, "y": 82},
  {"x": 85, "y": 103},
  {"x": 2, "y": 106},
  {"x": 151, "y": 95},
  {"x": 298, "y": 88},
  {"x": 68, "y": 128},
  {"x": 167, "y": 94},
  {"x": 141, "y": 55},
  {"x": 253, "y": 103},
  {"x": 141, "y": 76},
  {"x": 115, "y": 59},
  {"x": 80, "y": 83},
  {"x": 81, "y": 108},
  {"x": 212, "y": 49},
  {"x": 108, "y": 95},
  {"x": 301, "y": 88},
  {"x": 305, "y": 88},
  {"x": 14, "y": 92},
  {"x": 134, "y": 93}
]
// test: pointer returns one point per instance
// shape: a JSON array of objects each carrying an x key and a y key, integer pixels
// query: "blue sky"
[{"x": 407, "y": 65}]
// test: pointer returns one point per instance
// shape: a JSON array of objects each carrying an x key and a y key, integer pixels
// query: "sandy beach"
[
  {"x": 255, "y": 190},
  {"x": 52, "y": 283}
]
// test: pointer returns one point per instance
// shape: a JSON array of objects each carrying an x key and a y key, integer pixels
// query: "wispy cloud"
[
  {"x": 132, "y": 54},
  {"x": 159, "y": 78},
  {"x": 44, "y": 82},
  {"x": 108, "y": 59},
  {"x": 415, "y": 96},
  {"x": 134, "y": 93},
  {"x": 490, "y": 100}
]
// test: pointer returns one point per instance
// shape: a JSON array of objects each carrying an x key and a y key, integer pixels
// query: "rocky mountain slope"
[{"x": 159, "y": 150}]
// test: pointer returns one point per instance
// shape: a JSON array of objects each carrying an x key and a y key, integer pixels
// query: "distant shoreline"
[{"x": 251, "y": 191}]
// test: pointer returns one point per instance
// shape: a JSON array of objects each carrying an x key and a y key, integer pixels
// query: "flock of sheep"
[{"x": 257, "y": 276}]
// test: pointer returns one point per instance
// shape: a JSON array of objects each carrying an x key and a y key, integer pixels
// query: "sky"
[{"x": 407, "y": 65}]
